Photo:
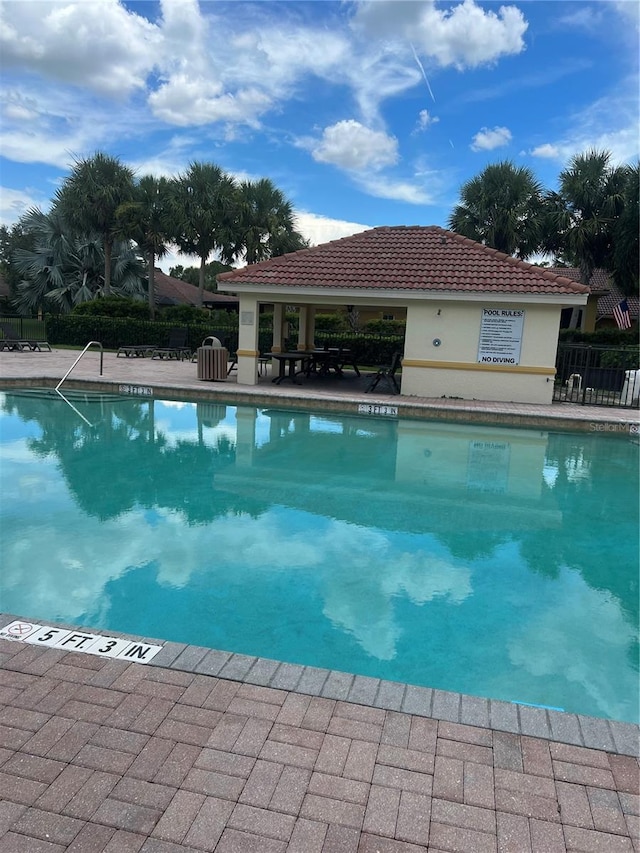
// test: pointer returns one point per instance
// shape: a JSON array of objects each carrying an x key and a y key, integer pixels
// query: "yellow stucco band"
[
  {"x": 485, "y": 368},
  {"x": 249, "y": 353}
]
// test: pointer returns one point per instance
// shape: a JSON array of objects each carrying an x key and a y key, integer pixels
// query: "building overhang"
[{"x": 395, "y": 297}]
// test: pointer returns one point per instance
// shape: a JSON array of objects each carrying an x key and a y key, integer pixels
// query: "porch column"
[
  {"x": 248, "y": 341},
  {"x": 306, "y": 327},
  {"x": 278, "y": 327}
]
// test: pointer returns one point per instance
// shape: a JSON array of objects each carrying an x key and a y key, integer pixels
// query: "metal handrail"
[{"x": 90, "y": 344}]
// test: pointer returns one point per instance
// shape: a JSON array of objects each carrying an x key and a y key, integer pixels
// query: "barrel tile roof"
[{"x": 405, "y": 258}]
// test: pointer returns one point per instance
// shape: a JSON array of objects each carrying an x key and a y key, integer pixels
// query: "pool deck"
[{"x": 204, "y": 750}]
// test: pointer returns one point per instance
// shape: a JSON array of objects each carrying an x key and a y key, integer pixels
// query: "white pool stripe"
[{"x": 79, "y": 641}]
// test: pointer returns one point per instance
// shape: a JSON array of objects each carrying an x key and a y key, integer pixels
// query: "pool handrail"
[{"x": 90, "y": 344}]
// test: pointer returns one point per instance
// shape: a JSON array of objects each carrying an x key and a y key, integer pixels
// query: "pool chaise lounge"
[
  {"x": 11, "y": 341},
  {"x": 176, "y": 348},
  {"x": 136, "y": 350}
]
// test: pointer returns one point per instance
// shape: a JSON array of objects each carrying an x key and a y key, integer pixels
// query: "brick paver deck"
[{"x": 106, "y": 756}]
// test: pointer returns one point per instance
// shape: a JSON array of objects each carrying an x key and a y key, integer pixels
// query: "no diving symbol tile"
[
  {"x": 18, "y": 630},
  {"x": 79, "y": 641}
]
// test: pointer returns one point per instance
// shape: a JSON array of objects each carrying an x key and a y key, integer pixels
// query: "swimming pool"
[{"x": 495, "y": 562}]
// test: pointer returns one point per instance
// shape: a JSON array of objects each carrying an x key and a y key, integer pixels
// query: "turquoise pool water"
[{"x": 500, "y": 563}]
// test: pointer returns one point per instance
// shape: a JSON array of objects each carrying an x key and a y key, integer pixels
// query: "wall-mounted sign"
[
  {"x": 500, "y": 336},
  {"x": 246, "y": 318}
]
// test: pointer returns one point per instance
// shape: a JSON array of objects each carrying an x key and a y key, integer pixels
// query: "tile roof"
[
  {"x": 404, "y": 258},
  {"x": 607, "y": 303},
  {"x": 603, "y": 287},
  {"x": 174, "y": 291},
  {"x": 598, "y": 283}
]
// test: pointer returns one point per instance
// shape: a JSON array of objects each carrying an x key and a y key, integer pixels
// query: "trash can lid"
[{"x": 210, "y": 341}]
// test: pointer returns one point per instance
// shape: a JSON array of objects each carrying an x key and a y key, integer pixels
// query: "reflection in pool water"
[{"x": 496, "y": 562}]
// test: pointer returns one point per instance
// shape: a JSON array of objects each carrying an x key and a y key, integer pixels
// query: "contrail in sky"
[{"x": 420, "y": 66}]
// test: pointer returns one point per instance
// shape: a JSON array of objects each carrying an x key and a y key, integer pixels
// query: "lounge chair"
[
  {"x": 176, "y": 348},
  {"x": 11, "y": 340},
  {"x": 388, "y": 374},
  {"x": 136, "y": 350}
]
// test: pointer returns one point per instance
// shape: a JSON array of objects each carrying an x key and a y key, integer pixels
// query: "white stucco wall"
[{"x": 451, "y": 369}]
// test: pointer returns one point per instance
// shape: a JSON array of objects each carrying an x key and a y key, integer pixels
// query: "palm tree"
[
  {"x": 501, "y": 208},
  {"x": 625, "y": 266},
  {"x": 64, "y": 269},
  {"x": 265, "y": 223},
  {"x": 203, "y": 205},
  {"x": 581, "y": 216},
  {"x": 146, "y": 221},
  {"x": 90, "y": 197}
]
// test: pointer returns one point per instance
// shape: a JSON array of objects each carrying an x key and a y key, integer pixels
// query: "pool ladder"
[{"x": 57, "y": 388}]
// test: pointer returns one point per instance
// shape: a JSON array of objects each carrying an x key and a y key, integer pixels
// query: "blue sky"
[{"x": 363, "y": 113}]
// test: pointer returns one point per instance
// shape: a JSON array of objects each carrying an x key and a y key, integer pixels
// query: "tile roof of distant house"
[
  {"x": 404, "y": 258},
  {"x": 603, "y": 287},
  {"x": 607, "y": 303},
  {"x": 175, "y": 291},
  {"x": 598, "y": 283}
]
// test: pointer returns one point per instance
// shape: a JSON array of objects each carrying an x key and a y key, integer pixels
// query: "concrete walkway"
[{"x": 206, "y": 751}]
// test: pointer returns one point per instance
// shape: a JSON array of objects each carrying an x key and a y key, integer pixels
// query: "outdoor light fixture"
[{"x": 436, "y": 342}]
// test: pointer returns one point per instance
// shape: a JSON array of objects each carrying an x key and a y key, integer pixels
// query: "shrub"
[
  {"x": 331, "y": 323},
  {"x": 183, "y": 314},
  {"x": 385, "y": 327},
  {"x": 112, "y": 306},
  {"x": 601, "y": 338}
]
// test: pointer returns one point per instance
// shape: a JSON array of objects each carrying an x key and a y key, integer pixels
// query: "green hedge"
[
  {"x": 603, "y": 337},
  {"x": 113, "y": 332}
]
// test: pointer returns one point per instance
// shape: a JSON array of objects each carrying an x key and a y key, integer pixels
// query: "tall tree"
[
  {"x": 266, "y": 223},
  {"x": 625, "y": 266},
  {"x": 90, "y": 197},
  {"x": 192, "y": 274},
  {"x": 581, "y": 216},
  {"x": 146, "y": 220},
  {"x": 64, "y": 269},
  {"x": 203, "y": 206},
  {"x": 12, "y": 238},
  {"x": 501, "y": 207}
]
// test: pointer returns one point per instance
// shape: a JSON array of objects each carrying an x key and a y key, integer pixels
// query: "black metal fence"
[
  {"x": 597, "y": 376},
  {"x": 26, "y": 327}
]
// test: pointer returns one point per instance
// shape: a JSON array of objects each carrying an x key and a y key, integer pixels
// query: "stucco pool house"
[{"x": 480, "y": 324}]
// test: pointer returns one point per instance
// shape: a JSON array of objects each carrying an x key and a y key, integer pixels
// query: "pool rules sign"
[{"x": 500, "y": 336}]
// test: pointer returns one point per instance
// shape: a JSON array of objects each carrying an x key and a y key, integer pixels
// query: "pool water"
[{"x": 495, "y": 562}]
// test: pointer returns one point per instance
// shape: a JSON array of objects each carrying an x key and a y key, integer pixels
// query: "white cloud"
[
  {"x": 351, "y": 145},
  {"x": 547, "y": 152},
  {"x": 487, "y": 140},
  {"x": 616, "y": 113},
  {"x": 102, "y": 46},
  {"x": 186, "y": 101},
  {"x": 425, "y": 120},
  {"x": 13, "y": 203},
  {"x": 463, "y": 36},
  {"x": 395, "y": 190},
  {"x": 322, "y": 229}
]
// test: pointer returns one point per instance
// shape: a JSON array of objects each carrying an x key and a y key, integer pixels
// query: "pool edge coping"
[
  {"x": 623, "y": 421},
  {"x": 516, "y": 718}
]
